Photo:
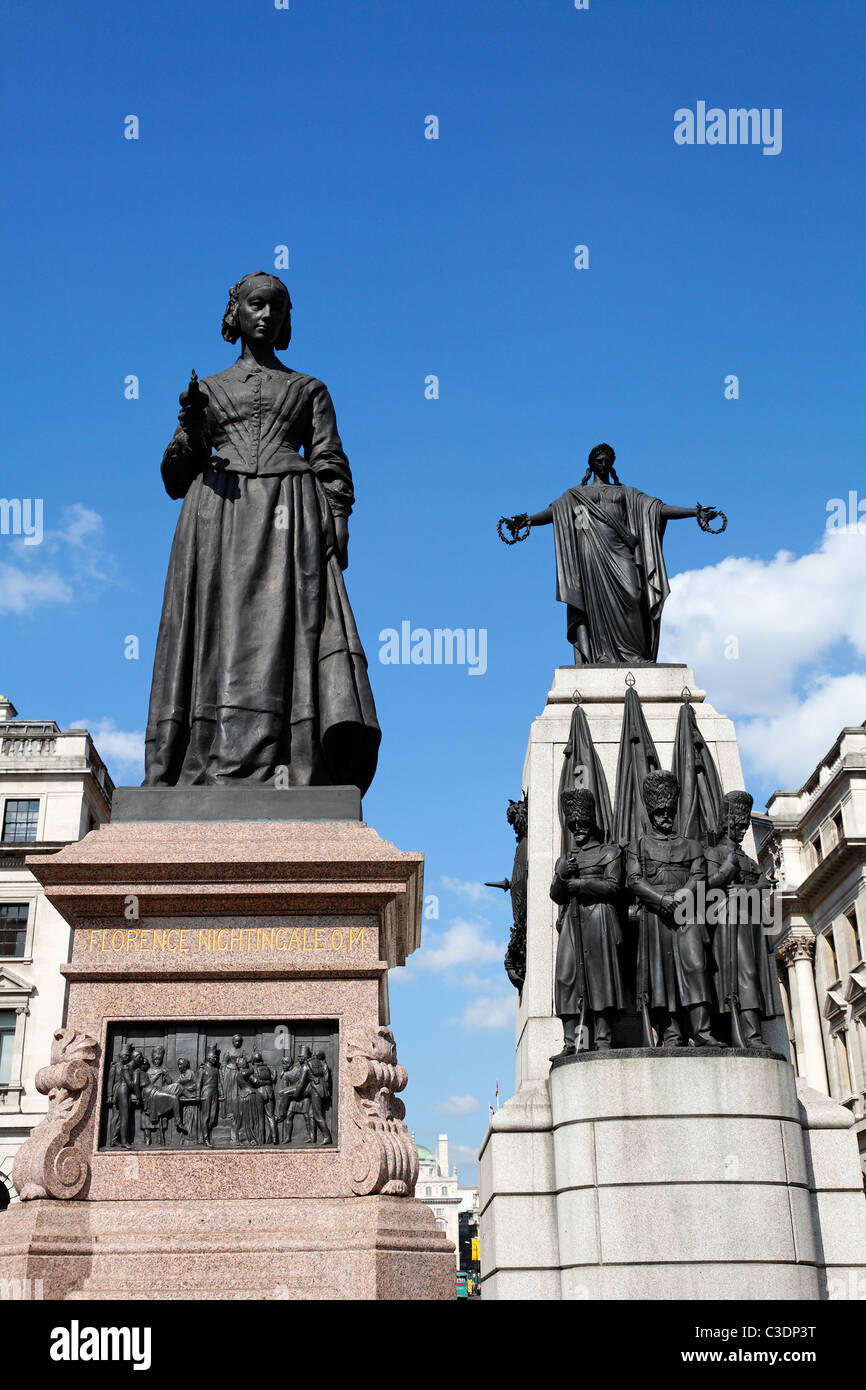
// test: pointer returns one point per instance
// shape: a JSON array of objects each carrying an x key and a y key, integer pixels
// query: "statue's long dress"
[
  {"x": 258, "y": 661},
  {"x": 610, "y": 571}
]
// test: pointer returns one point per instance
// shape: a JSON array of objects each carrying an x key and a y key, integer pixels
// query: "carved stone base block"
[
  {"x": 670, "y": 1175},
  {"x": 224, "y": 1111},
  {"x": 343, "y": 1248}
]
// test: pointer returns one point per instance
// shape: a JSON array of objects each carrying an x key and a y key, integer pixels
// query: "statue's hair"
[
  {"x": 575, "y": 799},
  {"x": 230, "y": 329},
  {"x": 515, "y": 809},
  {"x": 660, "y": 788},
  {"x": 595, "y": 454}
]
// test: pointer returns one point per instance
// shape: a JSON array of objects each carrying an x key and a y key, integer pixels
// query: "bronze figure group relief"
[{"x": 231, "y": 1097}]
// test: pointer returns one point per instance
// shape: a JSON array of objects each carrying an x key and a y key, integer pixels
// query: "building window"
[
  {"x": 852, "y": 922},
  {"x": 445, "y": 1192},
  {"x": 20, "y": 819},
  {"x": 13, "y": 928},
  {"x": 7, "y": 1044},
  {"x": 816, "y": 849},
  {"x": 827, "y": 968},
  {"x": 839, "y": 827}
]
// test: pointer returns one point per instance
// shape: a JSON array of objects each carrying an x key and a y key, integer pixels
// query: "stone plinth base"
[
  {"x": 669, "y": 1175},
  {"x": 352, "y": 1248}
]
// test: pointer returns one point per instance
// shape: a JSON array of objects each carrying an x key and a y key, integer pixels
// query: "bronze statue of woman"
[
  {"x": 258, "y": 663},
  {"x": 610, "y": 570}
]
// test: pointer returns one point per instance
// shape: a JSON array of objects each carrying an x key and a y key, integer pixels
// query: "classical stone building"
[
  {"x": 438, "y": 1188},
  {"x": 815, "y": 841},
  {"x": 53, "y": 788}
]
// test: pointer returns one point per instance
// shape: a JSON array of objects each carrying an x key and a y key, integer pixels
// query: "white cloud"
[
  {"x": 476, "y": 892},
  {"x": 462, "y": 1153},
  {"x": 784, "y": 614},
  {"x": 458, "y": 1105},
  {"x": 68, "y": 564},
  {"x": 118, "y": 747},
  {"x": 785, "y": 619},
  {"x": 463, "y": 943},
  {"x": 488, "y": 1013},
  {"x": 787, "y": 745},
  {"x": 22, "y": 590}
]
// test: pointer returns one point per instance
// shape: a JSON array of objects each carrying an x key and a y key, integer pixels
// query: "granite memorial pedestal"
[{"x": 225, "y": 1119}]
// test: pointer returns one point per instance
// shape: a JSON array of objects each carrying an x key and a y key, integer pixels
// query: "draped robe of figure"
[
  {"x": 587, "y": 968},
  {"x": 232, "y": 1062},
  {"x": 160, "y": 1097},
  {"x": 258, "y": 662},
  {"x": 209, "y": 1089},
  {"x": 757, "y": 982},
  {"x": 189, "y": 1108},
  {"x": 251, "y": 1106},
  {"x": 610, "y": 570},
  {"x": 122, "y": 1095}
]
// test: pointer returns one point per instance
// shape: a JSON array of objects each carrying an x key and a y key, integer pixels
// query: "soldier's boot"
[
  {"x": 750, "y": 1022},
  {"x": 669, "y": 1027},
  {"x": 602, "y": 1029},
  {"x": 699, "y": 1018}
]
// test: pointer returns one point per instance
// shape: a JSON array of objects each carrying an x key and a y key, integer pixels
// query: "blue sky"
[{"x": 412, "y": 257}]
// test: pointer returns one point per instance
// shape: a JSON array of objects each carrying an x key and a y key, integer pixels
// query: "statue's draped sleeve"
[{"x": 324, "y": 453}]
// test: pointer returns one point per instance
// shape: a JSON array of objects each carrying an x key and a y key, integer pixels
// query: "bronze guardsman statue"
[
  {"x": 664, "y": 871},
  {"x": 586, "y": 884},
  {"x": 747, "y": 983}
]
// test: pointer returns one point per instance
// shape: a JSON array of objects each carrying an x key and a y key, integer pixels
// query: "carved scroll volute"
[
  {"x": 48, "y": 1164},
  {"x": 385, "y": 1158}
]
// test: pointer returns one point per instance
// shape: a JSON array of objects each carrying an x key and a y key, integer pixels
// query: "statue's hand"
[
  {"x": 193, "y": 406},
  {"x": 515, "y": 525},
  {"x": 341, "y": 536},
  {"x": 707, "y": 514}
]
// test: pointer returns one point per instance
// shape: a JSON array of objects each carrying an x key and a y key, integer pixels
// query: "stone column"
[{"x": 799, "y": 951}]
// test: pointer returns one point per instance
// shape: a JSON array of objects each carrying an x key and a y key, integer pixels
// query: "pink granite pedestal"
[{"x": 198, "y": 921}]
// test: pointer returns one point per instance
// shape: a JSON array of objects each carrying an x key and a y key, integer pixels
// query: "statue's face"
[
  {"x": 662, "y": 817},
  {"x": 580, "y": 825},
  {"x": 257, "y": 1056},
  {"x": 738, "y": 823},
  {"x": 261, "y": 310},
  {"x": 212, "y": 1055},
  {"x": 158, "y": 1056},
  {"x": 602, "y": 465},
  {"x": 182, "y": 1064},
  {"x": 125, "y": 1055},
  {"x": 237, "y": 1040}
]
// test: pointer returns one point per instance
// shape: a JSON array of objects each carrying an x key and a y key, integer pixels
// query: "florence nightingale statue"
[{"x": 258, "y": 663}]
